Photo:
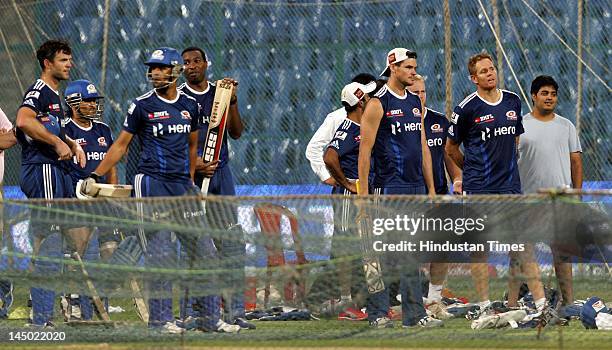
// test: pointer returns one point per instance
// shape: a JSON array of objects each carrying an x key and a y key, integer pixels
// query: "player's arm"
[
  {"x": 235, "y": 127},
  {"x": 332, "y": 161},
  {"x": 112, "y": 176},
  {"x": 576, "y": 169},
  {"x": 7, "y": 139},
  {"x": 454, "y": 153},
  {"x": 115, "y": 153},
  {"x": 370, "y": 121},
  {"x": 455, "y": 173},
  {"x": 193, "y": 153},
  {"x": 77, "y": 150},
  {"x": 315, "y": 149},
  {"x": 426, "y": 161},
  {"x": 26, "y": 122}
]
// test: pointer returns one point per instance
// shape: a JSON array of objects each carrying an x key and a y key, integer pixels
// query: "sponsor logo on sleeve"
[
  {"x": 451, "y": 130},
  {"x": 33, "y": 94},
  {"x": 341, "y": 135},
  {"x": 29, "y": 102},
  {"x": 334, "y": 144},
  {"x": 131, "y": 108},
  {"x": 454, "y": 118}
]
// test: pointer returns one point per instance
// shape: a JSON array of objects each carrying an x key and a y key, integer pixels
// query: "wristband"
[
  {"x": 95, "y": 176},
  {"x": 233, "y": 102}
]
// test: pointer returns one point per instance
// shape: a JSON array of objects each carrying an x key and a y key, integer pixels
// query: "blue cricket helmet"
[
  {"x": 84, "y": 90},
  {"x": 590, "y": 310},
  {"x": 166, "y": 56}
]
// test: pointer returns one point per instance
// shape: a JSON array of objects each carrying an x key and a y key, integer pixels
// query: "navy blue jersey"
[
  {"x": 163, "y": 128},
  {"x": 488, "y": 132},
  {"x": 41, "y": 99},
  {"x": 346, "y": 144},
  {"x": 436, "y": 126},
  {"x": 205, "y": 100},
  {"x": 95, "y": 141},
  {"x": 397, "y": 151}
]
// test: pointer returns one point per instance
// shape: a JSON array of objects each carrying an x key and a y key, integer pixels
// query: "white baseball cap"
[
  {"x": 394, "y": 56},
  {"x": 354, "y": 92}
]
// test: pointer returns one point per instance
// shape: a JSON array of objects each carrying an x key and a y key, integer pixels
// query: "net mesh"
[{"x": 301, "y": 253}]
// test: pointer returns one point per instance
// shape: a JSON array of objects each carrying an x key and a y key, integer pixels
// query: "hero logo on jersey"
[
  {"x": 102, "y": 142},
  {"x": 499, "y": 131},
  {"x": 485, "y": 119},
  {"x": 511, "y": 115},
  {"x": 436, "y": 128},
  {"x": 399, "y": 127},
  {"x": 158, "y": 130},
  {"x": 416, "y": 112},
  {"x": 341, "y": 135},
  {"x": 54, "y": 107},
  {"x": 158, "y": 115},
  {"x": 185, "y": 115},
  {"x": 395, "y": 113}
]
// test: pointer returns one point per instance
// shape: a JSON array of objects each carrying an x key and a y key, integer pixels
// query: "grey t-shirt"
[{"x": 544, "y": 153}]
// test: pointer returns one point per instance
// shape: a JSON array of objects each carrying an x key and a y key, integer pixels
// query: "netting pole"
[
  {"x": 579, "y": 70},
  {"x": 498, "y": 54},
  {"x": 25, "y": 29},
  {"x": 105, "y": 44},
  {"x": 448, "y": 59},
  {"x": 10, "y": 56}
]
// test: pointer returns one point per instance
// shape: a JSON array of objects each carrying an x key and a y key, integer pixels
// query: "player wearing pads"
[
  {"x": 85, "y": 108},
  {"x": 44, "y": 152},
  {"x": 165, "y": 120},
  {"x": 341, "y": 161},
  {"x": 391, "y": 134},
  {"x": 232, "y": 247},
  {"x": 550, "y": 157},
  {"x": 488, "y": 122},
  {"x": 322, "y": 137},
  {"x": 436, "y": 126}
]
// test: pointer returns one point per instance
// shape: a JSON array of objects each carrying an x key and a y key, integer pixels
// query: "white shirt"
[
  {"x": 4, "y": 124},
  {"x": 544, "y": 150},
  {"x": 319, "y": 141}
]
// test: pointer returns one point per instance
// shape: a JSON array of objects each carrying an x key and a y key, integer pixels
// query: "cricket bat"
[
  {"x": 216, "y": 126},
  {"x": 92, "y": 290},
  {"x": 371, "y": 262},
  {"x": 103, "y": 190}
]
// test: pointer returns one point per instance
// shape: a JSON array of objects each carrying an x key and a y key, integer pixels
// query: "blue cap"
[
  {"x": 590, "y": 310},
  {"x": 81, "y": 89},
  {"x": 165, "y": 56}
]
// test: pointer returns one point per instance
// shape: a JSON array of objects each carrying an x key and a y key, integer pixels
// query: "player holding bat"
[
  {"x": 165, "y": 120},
  {"x": 214, "y": 176}
]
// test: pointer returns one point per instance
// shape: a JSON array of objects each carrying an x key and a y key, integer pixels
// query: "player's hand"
[
  {"x": 234, "y": 82},
  {"x": 352, "y": 186},
  {"x": 62, "y": 150},
  {"x": 206, "y": 169},
  {"x": 87, "y": 186},
  {"x": 458, "y": 187},
  {"x": 80, "y": 155},
  {"x": 331, "y": 181}
]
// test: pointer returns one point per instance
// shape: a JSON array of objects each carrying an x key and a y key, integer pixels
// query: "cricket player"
[
  {"x": 391, "y": 134},
  {"x": 322, "y": 137},
  {"x": 85, "y": 108},
  {"x": 436, "y": 126},
  {"x": 165, "y": 120},
  {"x": 341, "y": 161},
  {"x": 45, "y": 152},
  {"x": 232, "y": 247},
  {"x": 488, "y": 122},
  {"x": 550, "y": 157}
]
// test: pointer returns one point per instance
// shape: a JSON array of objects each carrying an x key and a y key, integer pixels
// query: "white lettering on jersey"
[
  {"x": 96, "y": 155},
  {"x": 81, "y": 142},
  {"x": 179, "y": 128},
  {"x": 340, "y": 135},
  {"x": 125, "y": 123},
  {"x": 434, "y": 142},
  {"x": 158, "y": 129},
  {"x": 397, "y": 127},
  {"x": 499, "y": 131},
  {"x": 131, "y": 108}
]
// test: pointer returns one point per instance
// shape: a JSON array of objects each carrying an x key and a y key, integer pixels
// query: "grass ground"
[{"x": 326, "y": 334}]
